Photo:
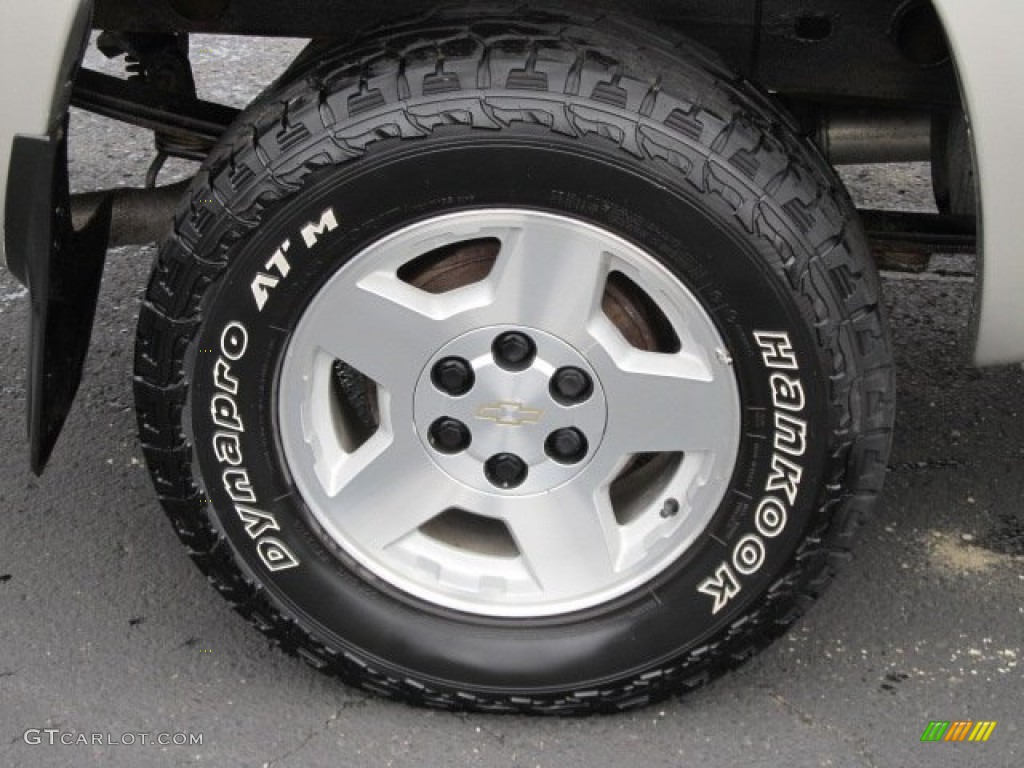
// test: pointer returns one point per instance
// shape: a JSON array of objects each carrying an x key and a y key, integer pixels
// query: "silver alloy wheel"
[{"x": 612, "y": 485}]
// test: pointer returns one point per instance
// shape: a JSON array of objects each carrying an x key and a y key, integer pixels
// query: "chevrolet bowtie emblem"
[{"x": 506, "y": 414}]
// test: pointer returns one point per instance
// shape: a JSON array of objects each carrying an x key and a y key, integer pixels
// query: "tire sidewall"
[{"x": 734, "y": 270}]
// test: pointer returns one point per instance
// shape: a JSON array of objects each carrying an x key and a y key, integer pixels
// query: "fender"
[
  {"x": 50, "y": 36},
  {"x": 986, "y": 47}
]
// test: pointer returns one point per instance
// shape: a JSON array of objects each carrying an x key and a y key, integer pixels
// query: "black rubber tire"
[
  {"x": 594, "y": 118},
  {"x": 953, "y": 178}
]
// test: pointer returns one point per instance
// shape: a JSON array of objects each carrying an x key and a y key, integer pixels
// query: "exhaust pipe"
[
  {"x": 855, "y": 136},
  {"x": 138, "y": 216}
]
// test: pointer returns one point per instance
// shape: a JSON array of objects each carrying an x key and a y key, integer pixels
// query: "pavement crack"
[
  {"x": 804, "y": 718},
  {"x": 498, "y": 737},
  {"x": 326, "y": 726},
  {"x": 928, "y": 464},
  {"x": 808, "y": 720},
  {"x": 294, "y": 751}
]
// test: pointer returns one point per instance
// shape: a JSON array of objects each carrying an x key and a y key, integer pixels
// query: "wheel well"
[{"x": 890, "y": 50}]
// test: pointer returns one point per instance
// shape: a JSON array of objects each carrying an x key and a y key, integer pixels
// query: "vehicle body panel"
[
  {"x": 40, "y": 41},
  {"x": 985, "y": 40}
]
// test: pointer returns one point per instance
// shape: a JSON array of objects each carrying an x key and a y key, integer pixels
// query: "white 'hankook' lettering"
[
  {"x": 777, "y": 350},
  {"x": 789, "y": 442}
]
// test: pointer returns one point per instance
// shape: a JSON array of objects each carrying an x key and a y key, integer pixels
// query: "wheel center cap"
[
  {"x": 506, "y": 414},
  {"x": 510, "y": 410}
]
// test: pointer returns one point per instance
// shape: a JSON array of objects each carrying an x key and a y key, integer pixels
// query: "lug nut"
[
  {"x": 506, "y": 470},
  {"x": 566, "y": 446},
  {"x": 571, "y": 386},
  {"x": 450, "y": 436},
  {"x": 453, "y": 376},
  {"x": 514, "y": 351}
]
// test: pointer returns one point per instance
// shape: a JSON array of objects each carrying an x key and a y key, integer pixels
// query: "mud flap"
[{"x": 61, "y": 269}]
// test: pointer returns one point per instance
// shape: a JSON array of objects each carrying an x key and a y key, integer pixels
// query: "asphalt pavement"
[{"x": 106, "y": 627}]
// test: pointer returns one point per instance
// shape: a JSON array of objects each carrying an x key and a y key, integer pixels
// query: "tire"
[
  {"x": 731, "y": 382},
  {"x": 953, "y": 166}
]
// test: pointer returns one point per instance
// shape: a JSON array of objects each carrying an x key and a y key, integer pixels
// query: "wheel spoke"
[
  {"x": 385, "y": 491},
  {"x": 666, "y": 402},
  {"x": 384, "y": 328},
  {"x": 549, "y": 276},
  {"x": 462, "y": 404},
  {"x": 568, "y": 540}
]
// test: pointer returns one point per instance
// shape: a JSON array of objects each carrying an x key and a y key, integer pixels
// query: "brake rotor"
[{"x": 462, "y": 264}]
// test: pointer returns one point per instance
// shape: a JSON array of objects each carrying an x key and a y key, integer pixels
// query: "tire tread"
[{"x": 486, "y": 73}]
